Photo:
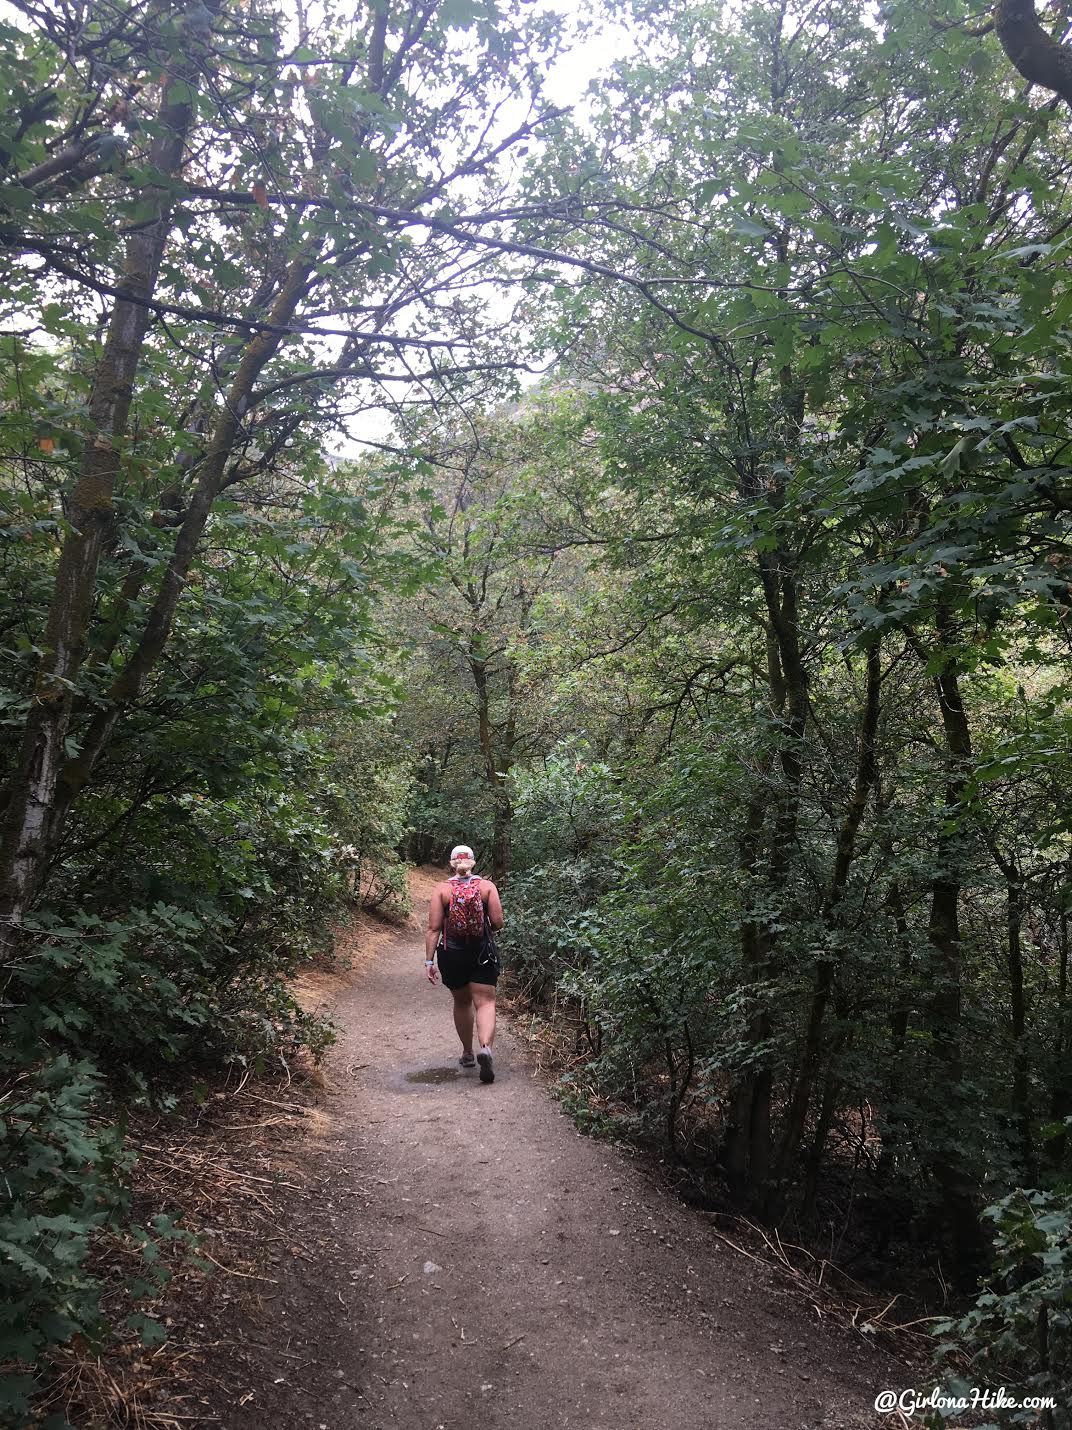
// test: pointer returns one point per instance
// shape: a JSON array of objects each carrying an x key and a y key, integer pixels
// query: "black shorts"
[{"x": 459, "y": 964}]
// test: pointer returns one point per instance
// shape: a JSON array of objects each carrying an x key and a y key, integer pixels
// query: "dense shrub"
[
  {"x": 62, "y": 1184},
  {"x": 1018, "y": 1334},
  {"x": 201, "y": 866}
]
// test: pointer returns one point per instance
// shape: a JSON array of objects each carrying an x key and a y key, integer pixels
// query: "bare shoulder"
[{"x": 487, "y": 888}]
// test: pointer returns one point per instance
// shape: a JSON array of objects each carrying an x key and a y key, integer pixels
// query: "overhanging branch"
[{"x": 1035, "y": 53}]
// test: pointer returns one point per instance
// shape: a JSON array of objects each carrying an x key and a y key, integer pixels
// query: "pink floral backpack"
[{"x": 465, "y": 917}]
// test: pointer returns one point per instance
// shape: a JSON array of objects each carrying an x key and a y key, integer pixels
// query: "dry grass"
[
  {"x": 227, "y": 1164},
  {"x": 848, "y": 1301}
]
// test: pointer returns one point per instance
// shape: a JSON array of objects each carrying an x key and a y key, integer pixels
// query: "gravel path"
[{"x": 469, "y": 1260}]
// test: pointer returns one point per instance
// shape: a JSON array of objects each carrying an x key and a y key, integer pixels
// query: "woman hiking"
[{"x": 463, "y": 912}]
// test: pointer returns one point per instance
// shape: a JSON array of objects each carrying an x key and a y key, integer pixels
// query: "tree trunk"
[
  {"x": 737, "y": 1145},
  {"x": 130, "y": 682},
  {"x": 27, "y": 841},
  {"x": 497, "y": 764},
  {"x": 823, "y": 1123},
  {"x": 826, "y": 969},
  {"x": 749, "y": 1132},
  {"x": 958, "y": 1191},
  {"x": 680, "y": 1082},
  {"x": 789, "y": 697},
  {"x": 1021, "y": 1095},
  {"x": 900, "y": 1010},
  {"x": 1027, "y": 1168}
]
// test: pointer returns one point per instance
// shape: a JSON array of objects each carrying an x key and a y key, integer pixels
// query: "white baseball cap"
[{"x": 461, "y": 851}]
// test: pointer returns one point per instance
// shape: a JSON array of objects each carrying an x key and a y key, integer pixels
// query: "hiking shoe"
[
  {"x": 487, "y": 1072},
  {"x": 467, "y": 1060}
]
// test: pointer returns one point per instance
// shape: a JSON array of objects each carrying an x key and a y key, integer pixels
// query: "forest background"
[{"x": 737, "y": 642}]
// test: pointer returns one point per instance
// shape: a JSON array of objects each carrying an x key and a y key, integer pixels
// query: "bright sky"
[
  {"x": 568, "y": 79},
  {"x": 565, "y": 85}
]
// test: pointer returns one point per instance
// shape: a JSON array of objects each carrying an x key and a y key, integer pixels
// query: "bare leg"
[
  {"x": 463, "y": 1017},
  {"x": 484, "y": 997}
]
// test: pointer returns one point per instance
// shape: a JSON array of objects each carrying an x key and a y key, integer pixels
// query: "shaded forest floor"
[{"x": 400, "y": 1245}]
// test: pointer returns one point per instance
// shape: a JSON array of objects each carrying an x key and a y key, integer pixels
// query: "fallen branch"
[
  {"x": 246, "y": 1275},
  {"x": 219, "y": 1167}
]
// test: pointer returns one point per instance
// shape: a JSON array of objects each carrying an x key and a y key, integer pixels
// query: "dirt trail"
[{"x": 469, "y": 1259}]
